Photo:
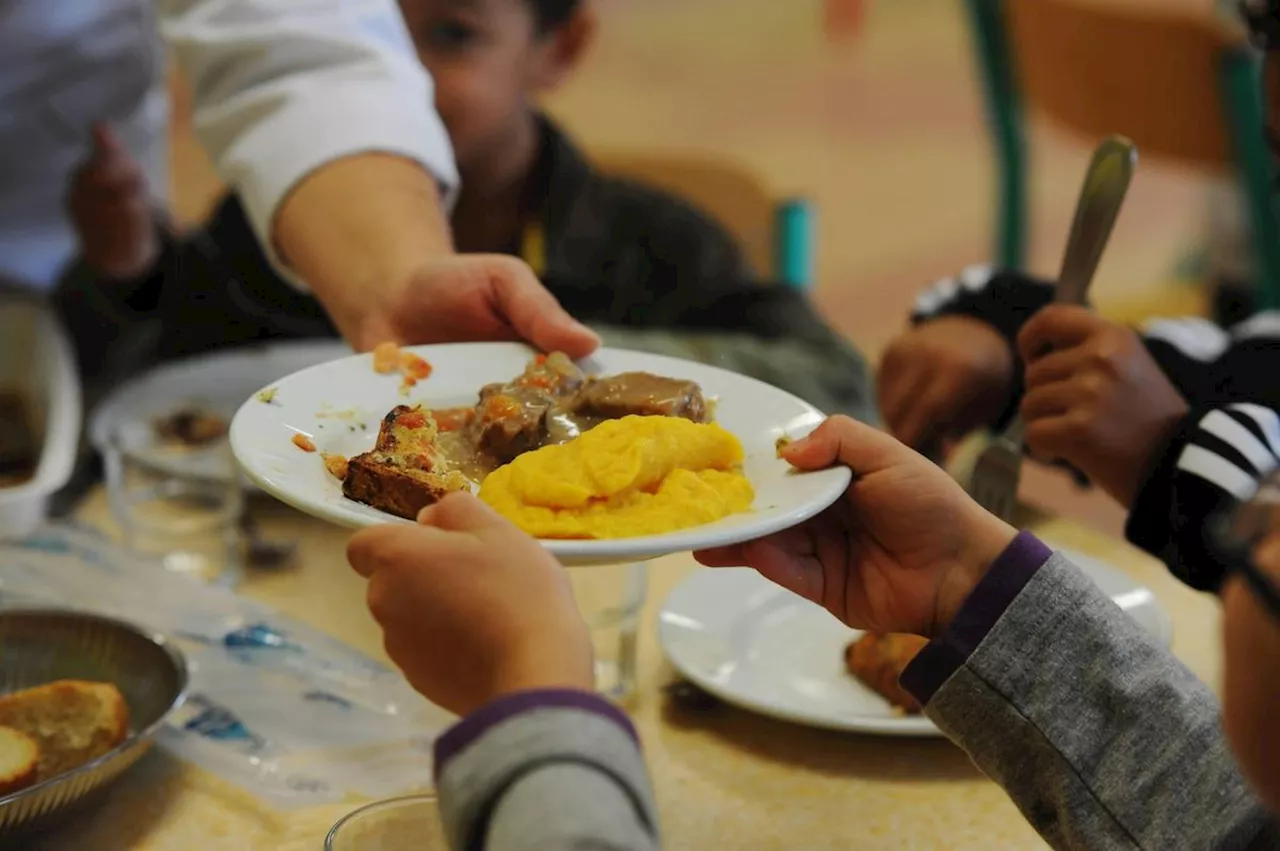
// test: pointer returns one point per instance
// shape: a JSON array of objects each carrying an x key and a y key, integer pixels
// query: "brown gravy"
[
  {"x": 19, "y": 447},
  {"x": 553, "y": 402}
]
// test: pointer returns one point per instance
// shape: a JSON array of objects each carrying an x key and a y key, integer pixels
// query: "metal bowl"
[{"x": 38, "y": 646}]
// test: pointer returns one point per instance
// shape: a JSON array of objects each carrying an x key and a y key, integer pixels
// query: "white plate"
[
  {"x": 217, "y": 383},
  {"x": 339, "y": 405},
  {"x": 753, "y": 644}
]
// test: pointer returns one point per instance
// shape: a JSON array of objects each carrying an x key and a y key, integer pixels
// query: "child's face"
[{"x": 487, "y": 59}]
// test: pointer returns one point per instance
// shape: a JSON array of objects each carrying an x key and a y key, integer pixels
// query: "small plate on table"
[
  {"x": 213, "y": 385},
  {"x": 755, "y": 645},
  {"x": 338, "y": 406}
]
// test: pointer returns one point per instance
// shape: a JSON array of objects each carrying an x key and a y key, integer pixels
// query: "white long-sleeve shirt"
[{"x": 280, "y": 87}]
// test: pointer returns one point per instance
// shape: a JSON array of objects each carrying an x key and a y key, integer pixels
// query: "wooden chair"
[
  {"x": 1184, "y": 86},
  {"x": 777, "y": 234}
]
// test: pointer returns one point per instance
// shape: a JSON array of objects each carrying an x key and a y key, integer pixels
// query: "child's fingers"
[
  {"x": 897, "y": 393},
  {"x": 1053, "y": 367},
  {"x": 1057, "y": 326},
  {"x": 925, "y": 420},
  {"x": 463, "y": 512},
  {"x": 730, "y": 556},
  {"x": 393, "y": 545},
  {"x": 1053, "y": 438},
  {"x": 1049, "y": 400}
]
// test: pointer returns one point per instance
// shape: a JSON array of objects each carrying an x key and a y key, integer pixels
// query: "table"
[{"x": 724, "y": 778}]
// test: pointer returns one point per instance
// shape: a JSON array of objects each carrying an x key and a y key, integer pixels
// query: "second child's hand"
[
  {"x": 110, "y": 206},
  {"x": 900, "y": 552}
]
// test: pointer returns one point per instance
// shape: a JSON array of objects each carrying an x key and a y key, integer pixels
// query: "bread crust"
[
  {"x": 19, "y": 761},
  {"x": 879, "y": 660},
  {"x": 374, "y": 481},
  {"x": 71, "y": 721}
]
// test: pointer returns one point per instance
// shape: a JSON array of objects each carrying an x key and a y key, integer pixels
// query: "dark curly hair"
[
  {"x": 1263, "y": 19},
  {"x": 553, "y": 13}
]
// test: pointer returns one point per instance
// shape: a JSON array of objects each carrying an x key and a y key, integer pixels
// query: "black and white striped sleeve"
[{"x": 1229, "y": 441}]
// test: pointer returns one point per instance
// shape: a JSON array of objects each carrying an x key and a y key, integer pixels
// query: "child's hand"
[
  {"x": 471, "y": 608},
  {"x": 943, "y": 379},
  {"x": 110, "y": 207},
  {"x": 899, "y": 553},
  {"x": 1095, "y": 398}
]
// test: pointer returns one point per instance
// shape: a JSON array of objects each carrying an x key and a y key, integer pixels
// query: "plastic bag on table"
[{"x": 290, "y": 714}]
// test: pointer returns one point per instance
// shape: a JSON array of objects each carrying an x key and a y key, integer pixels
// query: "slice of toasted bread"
[
  {"x": 408, "y": 436},
  {"x": 879, "y": 660},
  {"x": 374, "y": 480},
  {"x": 19, "y": 761},
  {"x": 71, "y": 721}
]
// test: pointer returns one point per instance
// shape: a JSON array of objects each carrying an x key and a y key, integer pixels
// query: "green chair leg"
[
  {"x": 1242, "y": 96},
  {"x": 794, "y": 249},
  {"x": 995, "y": 61}
]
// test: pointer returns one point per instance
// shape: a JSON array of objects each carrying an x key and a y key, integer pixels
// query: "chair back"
[
  {"x": 776, "y": 235},
  {"x": 1145, "y": 70}
]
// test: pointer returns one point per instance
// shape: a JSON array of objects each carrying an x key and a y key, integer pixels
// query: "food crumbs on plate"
[
  {"x": 303, "y": 442},
  {"x": 782, "y": 443},
  {"x": 638, "y": 475},
  {"x": 268, "y": 396},
  {"x": 414, "y": 367},
  {"x": 336, "y": 465},
  {"x": 386, "y": 358}
]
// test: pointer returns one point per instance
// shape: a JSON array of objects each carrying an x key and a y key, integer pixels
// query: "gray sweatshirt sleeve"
[
  {"x": 552, "y": 770},
  {"x": 1099, "y": 735}
]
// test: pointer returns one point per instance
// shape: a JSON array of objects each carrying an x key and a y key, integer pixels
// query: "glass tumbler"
[
  {"x": 400, "y": 824},
  {"x": 611, "y": 598},
  {"x": 181, "y": 505}
]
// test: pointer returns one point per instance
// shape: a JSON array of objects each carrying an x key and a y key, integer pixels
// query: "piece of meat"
[
  {"x": 401, "y": 491},
  {"x": 512, "y": 421},
  {"x": 511, "y": 417},
  {"x": 879, "y": 660},
  {"x": 642, "y": 394}
]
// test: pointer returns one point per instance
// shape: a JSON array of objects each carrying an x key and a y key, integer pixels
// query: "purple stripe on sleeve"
[
  {"x": 1003, "y": 582},
  {"x": 458, "y": 737}
]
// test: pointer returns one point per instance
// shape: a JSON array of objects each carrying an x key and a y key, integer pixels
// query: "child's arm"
[
  {"x": 1222, "y": 447},
  {"x": 554, "y": 770}
]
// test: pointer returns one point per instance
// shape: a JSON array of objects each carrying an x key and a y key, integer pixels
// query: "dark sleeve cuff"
[
  {"x": 1002, "y": 299},
  {"x": 1004, "y": 581},
  {"x": 461, "y": 735}
]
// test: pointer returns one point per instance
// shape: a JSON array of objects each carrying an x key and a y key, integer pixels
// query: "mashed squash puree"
[{"x": 622, "y": 479}]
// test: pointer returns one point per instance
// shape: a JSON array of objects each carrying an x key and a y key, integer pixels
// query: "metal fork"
[{"x": 994, "y": 483}]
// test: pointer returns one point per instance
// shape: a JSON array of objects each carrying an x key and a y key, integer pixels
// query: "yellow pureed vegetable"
[{"x": 622, "y": 479}]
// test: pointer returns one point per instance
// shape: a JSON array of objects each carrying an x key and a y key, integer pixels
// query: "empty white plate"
[
  {"x": 755, "y": 645},
  {"x": 338, "y": 406}
]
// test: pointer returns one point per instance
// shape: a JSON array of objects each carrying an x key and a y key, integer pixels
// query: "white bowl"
[{"x": 37, "y": 361}]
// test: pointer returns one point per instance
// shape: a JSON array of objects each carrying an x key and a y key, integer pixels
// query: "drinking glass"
[
  {"x": 610, "y": 598},
  {"x": 400, "y": 824},
  {"x": 181, "y": 505}
]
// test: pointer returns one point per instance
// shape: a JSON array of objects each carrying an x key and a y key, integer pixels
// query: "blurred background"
[{"x": 873, "y": 112}]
